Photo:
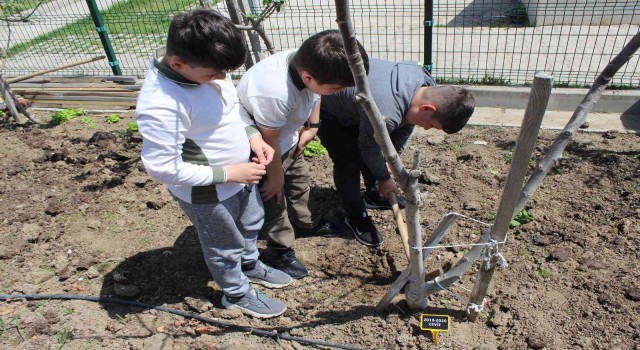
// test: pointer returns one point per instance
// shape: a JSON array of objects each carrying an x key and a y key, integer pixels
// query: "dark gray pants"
[{"x": 228, "y": 231}]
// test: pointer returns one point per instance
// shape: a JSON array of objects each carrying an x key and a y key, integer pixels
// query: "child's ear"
[
  {"x": 306, "y": 77},
  {"x": 427, "y": 107},
  {"x": 176, "y": 63}
]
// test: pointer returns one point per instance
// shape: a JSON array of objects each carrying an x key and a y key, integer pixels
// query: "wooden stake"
[
  {"x": 25, "y": 77},
  {"x": 394, "y": 290},
  {"x": 538, "y": 100},
  {"x": 397, "y": 285},
  {"x": 402, "y": 226},
  {"x": 13, "y": 104}
]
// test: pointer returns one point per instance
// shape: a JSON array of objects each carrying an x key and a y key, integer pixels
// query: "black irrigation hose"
[{"x": 250, "y": 330}]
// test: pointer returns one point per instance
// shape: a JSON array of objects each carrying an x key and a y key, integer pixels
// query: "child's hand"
[
  {"x": 245, "y": 173},
  {"x": 306, "y": 135},
  {"x": 386, "y": 187},
  {"x": 272, "y": 188},
  {"x": 264, "y": 152}
]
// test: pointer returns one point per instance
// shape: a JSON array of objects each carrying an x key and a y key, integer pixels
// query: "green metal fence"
[{"x": 499, "y": 42}]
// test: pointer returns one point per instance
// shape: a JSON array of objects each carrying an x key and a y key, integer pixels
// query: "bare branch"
[{"x": 578, "y": 118}]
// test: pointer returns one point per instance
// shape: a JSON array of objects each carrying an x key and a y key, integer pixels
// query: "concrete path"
[
  {"x": 556, "y": 120},
  {"x": 49, "y": 17}
]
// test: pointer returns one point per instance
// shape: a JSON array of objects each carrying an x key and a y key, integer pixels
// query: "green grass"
[
  {"x": 486, "y": 80},
  {"x": 131, "y": 17},
  {"x": 9, "y": 8}
]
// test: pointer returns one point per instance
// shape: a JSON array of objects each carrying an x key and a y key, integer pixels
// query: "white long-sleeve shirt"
[{"x": 190, "y": 132}]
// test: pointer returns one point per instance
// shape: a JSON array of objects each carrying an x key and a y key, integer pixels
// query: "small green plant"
[
  {"x": 13, "y": 323},
  {"x": 508, "y": 157},
  {"x": 132, "y": 127},
  {"x": 65, "y": 115},
  {"x": 112, "y": 119},
  {"x": 269, "y": 7},
  {"x": 493, "y": 171},
  {"x": 314, "y": 148},
  {"x": 446, "y": 302},
  {"x": 123, "y": 320},
  {"x": 522, "y": 218},
  {"x": 63, "y": 338},
  {"x": 544, "y": 273},
  {"x": 69, "y": 311},
  {"x": 88, "y": 122},
  {"x": 489, "y": 216}
]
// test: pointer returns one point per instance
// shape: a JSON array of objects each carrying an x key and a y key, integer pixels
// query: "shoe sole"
[
  {"x": 269, "y": 284},
  {"x": 372, "y": 206},
  {"x": 376, "y": 207},
  {"x": 355, "y": 235},
  {"x": 228, "y": 305}
]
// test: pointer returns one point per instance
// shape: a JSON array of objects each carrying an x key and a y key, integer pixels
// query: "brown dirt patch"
[{"x": 79, "y": 215}]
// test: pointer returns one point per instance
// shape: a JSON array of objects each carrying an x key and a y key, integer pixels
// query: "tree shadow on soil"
[{"x": 162, "y": 276}]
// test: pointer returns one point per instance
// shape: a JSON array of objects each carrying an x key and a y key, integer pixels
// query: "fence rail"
[{"x": 497, "y": 42}]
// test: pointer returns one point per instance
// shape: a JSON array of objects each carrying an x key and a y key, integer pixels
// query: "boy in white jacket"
[{"x": 195, "y": 141}]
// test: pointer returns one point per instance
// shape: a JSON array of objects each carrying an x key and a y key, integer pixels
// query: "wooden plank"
[
  {"x": 538, "y": 101},
  {"x": 71, "y": 80},
  {"x": 86, "y": 98},
  {"x": 28, "y": 76},
  {"x": 36, "y": 94},
  {"x": 83, "y": 106},
  {"x": 61, "y": 91},
  {"x": 64, "y": 85}
]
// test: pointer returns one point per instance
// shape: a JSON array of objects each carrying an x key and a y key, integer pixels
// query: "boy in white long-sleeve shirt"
[{"x": 195, "y": 141}]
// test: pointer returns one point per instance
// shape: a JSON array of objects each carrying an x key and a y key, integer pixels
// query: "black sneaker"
[
  {"x": 324, "y": 228},
  {"x": 373, "y": 200},
  {"x": 256, "y": 304},
  {"x": 364, "y": 231},
  {"x": 285, "y": 261}
]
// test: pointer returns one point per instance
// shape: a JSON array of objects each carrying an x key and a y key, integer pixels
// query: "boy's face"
[
  {"x": 430, "y": 123},
  {"x": 320, "y": 89},
  {"x": 427, "y": 119},
  {"x": 196, "y": 74}
]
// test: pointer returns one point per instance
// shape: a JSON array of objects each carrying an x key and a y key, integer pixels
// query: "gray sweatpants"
[{"x": 228, "y": 231}]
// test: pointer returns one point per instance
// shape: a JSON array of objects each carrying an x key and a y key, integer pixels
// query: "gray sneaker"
[
  {"x": 256, "y": 304},
  {"x": 268, "y": 276}
]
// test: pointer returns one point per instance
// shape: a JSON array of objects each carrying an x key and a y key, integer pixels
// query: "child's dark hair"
[
  {"x": 324, "y": 58},
  {"x": 205, "y": 38},
  {"x": 454, "y": 105}
]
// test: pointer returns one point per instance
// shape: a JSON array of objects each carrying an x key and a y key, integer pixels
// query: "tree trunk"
[{"x": 416, "y": 299}]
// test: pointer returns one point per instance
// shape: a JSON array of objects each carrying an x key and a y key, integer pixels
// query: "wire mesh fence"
[{"x": 497, "y": 42}]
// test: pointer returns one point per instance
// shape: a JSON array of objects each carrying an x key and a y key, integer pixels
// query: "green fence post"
[
  {"x": 104, "y": 37},
  {"x": 428, "y": 35}
]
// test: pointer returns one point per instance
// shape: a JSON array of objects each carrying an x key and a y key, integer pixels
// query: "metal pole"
[
  {"x": 247, "y": 6},
  {"x": 238, "y": 20},
  {"x": 428, "y": 35},
  {"x": 104, "y": 37}
]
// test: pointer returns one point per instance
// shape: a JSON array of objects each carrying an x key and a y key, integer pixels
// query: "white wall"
[{"x": 582, "y": 12}]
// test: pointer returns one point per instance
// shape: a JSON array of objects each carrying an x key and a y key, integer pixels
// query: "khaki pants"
[{"x": 277, "y": 227}]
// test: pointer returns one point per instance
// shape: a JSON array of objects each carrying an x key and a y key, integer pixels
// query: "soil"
[{"x": 80, "y": 216}]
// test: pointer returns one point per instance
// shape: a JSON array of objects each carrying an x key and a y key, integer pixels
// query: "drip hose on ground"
[{"x": 110, "y": 300}]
